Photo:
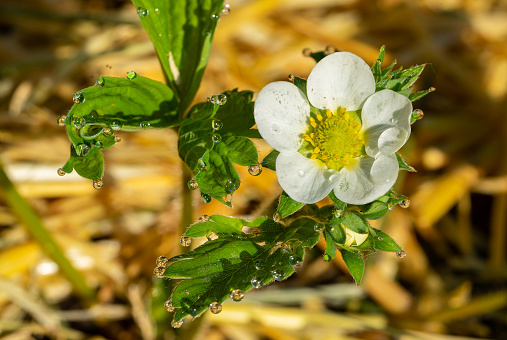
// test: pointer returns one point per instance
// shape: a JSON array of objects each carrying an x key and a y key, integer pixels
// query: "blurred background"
[{"x": 451, "y": 285}]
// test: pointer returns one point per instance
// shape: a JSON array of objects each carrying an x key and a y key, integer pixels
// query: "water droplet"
[
  {"x": 380, "y": 238},
  {"x": 431, "y": 89},
  {"x": 206, "y": 198},
  {"x": 237, "y": 295},
  {"x": 339, "y": 213},
  {"x": 221, "y": 99},
  {"x": 417, "y": 114},
  {"x": 177, "y": 324},
  {"x": 144, "y": 124},
  {"x": 192, "y": 184},
  {"x": 227, "y": 199},
  {"x": 201, "y": 165},
  {"x": 216, "y": 138},
  {"x": 301, "y": 173},
  {"x": 327, "y": 258},
  {"x": 98, "y": 144},
  {"x": 333, "y": 178},
  {"x": 378, "y": 61},
  {"x": 162, "y": 261},
  {"x": 256, "y": 282},
  {"x": 277, "y": 217},
  {"x": 82, "y": 149},
  {"x": 107, "y": 132},
  {"x": 117, "y": 139},
  {"x": 159, "y": 272},
  {"x": 319, "y": 228},
  {"x": 100, "y": 81},
  {"x": 259, "y": 265},
  {"x": 231, "y": 185},
  {"x": 78, "y": 97},
  {"x": 401, "y": 254},
  {"x": 168, "y": 305},
  {"x": 60, "y": 172},
  {"x": 390, "y": 206},
  {"x": 255, "y": 169},
  {"x": 277, "y": 274},
  {"x": 204, "y": 218},
  {"x": 115, "y": 125},
  {"x": 142, "y": 12},
  {"x": 226, "y": 10},
  {"x": 292, "y": 77},
  {"x": 97, "y": 184},
  {"x": 329, "y": 49},
  {"x": 295, "y": 260},
  {"x": 131, "y": 75},
  {"x": 78, "y": 122},
  {"x": 307, "y": 52},
  {"x": 405, "y": 203},
  {"x": 185, "y": 241},
  {"x": 215, "y": 307},
  {"x": 61, "y": 120},
  {"x": 214, "y": 99},
  {"x": 393, "y": 121},
  {"x": 216, "y": 124},
  {"x": 157, "y": 11}
]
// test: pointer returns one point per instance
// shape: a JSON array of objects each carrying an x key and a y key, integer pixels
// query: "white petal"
[
  {"x": 371, "y": 179},
  {"x": 341, "y": 79},
  {"x": 386, "y": 122},
  {"x": 303, "y": 179},
  {"x": 281, "y": 112}
]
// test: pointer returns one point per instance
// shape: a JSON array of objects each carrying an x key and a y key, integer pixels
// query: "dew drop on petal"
[
  {"x": 192, "y": 184},
  {"x": 159, "y": 272},
  {"x": 78, "y": 97},
  {"x": 168, "y": 305},
  {"x": 206, "y": 198},
  {"x": 177, "y": 324},
  {"x": 393, "y": 121},
  {"x": 237, "y": 295},
  {"x": 405, "y": 203},
  {"x": 307, "y": 52},
  {"x": 185, "y": 241},
  {"x": 256, "y": 282},
  {"x": 216, "y": 124},
  {"x": 333, "y": 178},
  {"x": 142, "y": 12},
  {"x": 275, "y": 128},
  {"x": 216, "y": 138},
  {"x": 100, "y": 81},
  {"x": 255, "y": 169},
  {"x": 107, "y": 132},
  {"x": 97, "y": 184},
  {"x": 401, "y": 254},
  {"x": 301, "y": 173},
  {"x": 60, "y": 172},
  {"x": 162, "y": 261},
  {"x": 226, "y": 10},
  {"x": 215, "y": 307},
  {"x": 61, "y": 120}
]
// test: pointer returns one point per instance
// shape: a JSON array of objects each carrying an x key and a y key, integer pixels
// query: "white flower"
[{"x": 341, "y": 135}]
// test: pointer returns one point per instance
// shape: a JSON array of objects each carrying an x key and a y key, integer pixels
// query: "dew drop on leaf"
[
  {"x": 318, "y": 228},
  {"x": 226, "y": 10},
  {"x": 142, "y": 12},
  {"x": 380, "y": 238},
  {"x": 214, "y": 99},
  {"x": 192, "y": 184},
  {"x": 339, "y": 213},
  {"x": 60, "y": 172},
  {"x": 401, "y": 254},
  {"x": 255, "y": 169},
  {"x": 259, "y": 265},
  {"x": 390, "y": 206},
  {"x": 100, "y": 81},
  {"x": 256, "y": 282},
  {"x": 162, "y": 261},
  {"x": 277, "y": 274},
  {"x": 204, "y": 218},
  {"x": 216, "y": 138},
  {"x": 78, "y": 122},
  {"x": 201, "y": 166},
  {"x": 131, "y": 75},
  {"x": 97, "y": 184},
  {"x": 405, "y": 203},
  {"x": 417, "y": 114},
  {"x": 327, "y": 258},
  {"x": 144, "y": 124},
  {"x": 277, "y": 217},
  {"x": 206, "y": 198},
  {"x": 82, "y": 150},
  {"x": 115, "y": 125},
  {"x": 215, "y": 307},
  {"x": 98, "y": 144},
  {"x": 221, "y": 99},
  {"x": 307, "y": 52},
  {"x": 61, "y": 120},
  {"x": 177, "y": 324},
  {"x": 107, "y": 132},
  {"x": 168, "y": 305},
  {"x": 295, "y": 260},
  {"x": 216, "y": 124},
  {"x": 117, "y": 139},
  {"x": 231, "y": 185},
  {"x": 159, "y": 272},
  {"x": 185, "y": 241},
  {"x": 78, "y": 97},
  {"x": 237, "y": 295}
]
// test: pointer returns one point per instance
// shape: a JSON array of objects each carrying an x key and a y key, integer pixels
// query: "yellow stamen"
[
  {"x": 319, "y": 117},
  {"x": 329, "y": 113},
  {"x": 316, "y": 150},
  {"x": 312, "y": 122},
  {"x": 343, "y": 110},
  {"x": 313, "y": 156}
]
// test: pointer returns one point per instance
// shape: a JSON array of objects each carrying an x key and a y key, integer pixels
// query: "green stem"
[
  {"x": 187, "y": 213},
  {"x": 27, "y": 216}
]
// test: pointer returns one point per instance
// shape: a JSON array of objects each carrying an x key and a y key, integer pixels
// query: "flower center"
[{"x": 335, "y": 138}]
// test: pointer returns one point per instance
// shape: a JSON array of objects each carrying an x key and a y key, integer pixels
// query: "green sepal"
[
  {"x": 287, "y": 206},
  {"x": 269, "y": 162},
  {"x": 355, "y": 222},
  {"x": 418, "y": 95},
  {"x": 384, "y": 242},
  {"x": 336, "y": 231},
  {"x": 403, "y": 165},
  {"x": 318, "y": 56},
  {"x": 376, "y": 68},
  {"x": 330, "y": 251},
  {"x": 341, "y": 205},
  {"x": 300, "y": 84},
  {"x": 355, "y": 264}
]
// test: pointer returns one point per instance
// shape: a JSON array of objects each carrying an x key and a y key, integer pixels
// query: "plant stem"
[
  {"x": 187, "y": 212},
  {"x": 27, "y": 216}
]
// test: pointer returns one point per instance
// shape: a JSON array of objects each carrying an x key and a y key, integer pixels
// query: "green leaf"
[
  {"x": 236, "y": 260},
  {"x": 376, "y": 67},
  {"x": 355, "y": 222},
  {"x": 384, "y": 242},
  {"x": 341, "y": 205},
  {"x": 336, "y": 231},
  {"x": 374, "y": 210},
  {"x": 403, "y": 165},
  {"x": 287, "y": 205},
  {"x": 269, "y": 161},
  {"x": 418, "y": 95},
  {"x": 114, "y": 104},
  {"x": 211, "y": 162},
  {"x": 182, "y": 33},
  {"x": 355, "y": 264},
  {"x": 329, "y": 254}
]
